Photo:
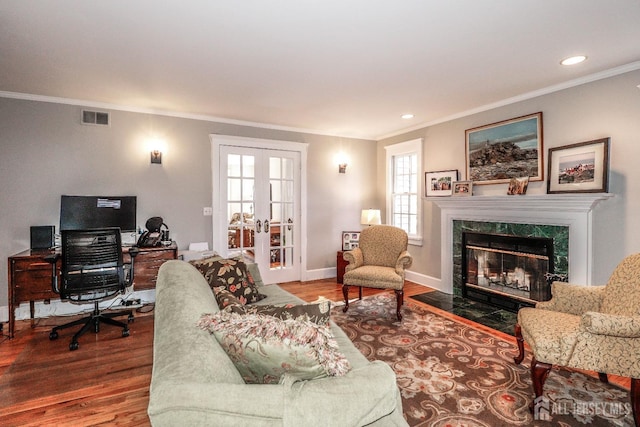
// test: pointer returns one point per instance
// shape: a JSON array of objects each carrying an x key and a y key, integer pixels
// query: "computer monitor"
[{"x": 84, "y": 212}]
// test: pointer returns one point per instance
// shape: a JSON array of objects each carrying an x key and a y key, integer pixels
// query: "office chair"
[{"x": 92, "y": 270}]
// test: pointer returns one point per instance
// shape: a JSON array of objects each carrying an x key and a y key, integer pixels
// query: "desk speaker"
[{"x": 42, "y": 236}]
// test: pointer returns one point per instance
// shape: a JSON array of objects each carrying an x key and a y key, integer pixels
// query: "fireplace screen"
[{"x": 502, "y": 267}]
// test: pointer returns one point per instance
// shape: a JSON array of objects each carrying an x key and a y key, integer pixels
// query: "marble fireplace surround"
[{"x": 573, "y": 210}]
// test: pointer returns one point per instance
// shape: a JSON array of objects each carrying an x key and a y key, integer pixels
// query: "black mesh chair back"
[{"x": 92, "y": 267}]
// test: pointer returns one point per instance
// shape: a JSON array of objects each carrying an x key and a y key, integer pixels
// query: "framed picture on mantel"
[
  {"x": 579, "y": 168},
  {"x": 440, "y": 183},
  {"x": 463, "y": 188}
]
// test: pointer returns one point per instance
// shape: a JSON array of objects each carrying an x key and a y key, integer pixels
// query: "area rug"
[{"x": 452, "y": 374}]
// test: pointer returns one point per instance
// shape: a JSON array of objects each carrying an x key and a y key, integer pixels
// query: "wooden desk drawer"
[
  {"x": 146, "y": 274},
  {"x": 147, "y": 263},
  {"x": 33, "y": 282}
]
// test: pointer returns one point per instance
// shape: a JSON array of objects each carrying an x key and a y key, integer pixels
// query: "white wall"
[
  {"x": 46, "y": 152},
  {"x": 604, "y": 108}
]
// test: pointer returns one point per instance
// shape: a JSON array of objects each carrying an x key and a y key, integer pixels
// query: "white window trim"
[{"x": 408, "y": 147}]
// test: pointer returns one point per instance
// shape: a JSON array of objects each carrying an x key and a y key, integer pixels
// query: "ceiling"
[{"x": 337, "y": 67}]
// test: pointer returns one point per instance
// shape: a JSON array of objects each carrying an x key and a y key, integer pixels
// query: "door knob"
[{"x": 259, "y": 226}]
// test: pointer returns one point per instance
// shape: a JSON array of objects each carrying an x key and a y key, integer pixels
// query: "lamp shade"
[{"x": 370, "y": 217}]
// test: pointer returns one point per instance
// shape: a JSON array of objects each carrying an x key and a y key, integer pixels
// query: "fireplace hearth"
[{"x": 506, "y": 271}]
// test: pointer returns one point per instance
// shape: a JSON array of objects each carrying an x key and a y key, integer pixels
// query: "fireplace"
[
  {"x": 506, "y": 271},
  {"x": 572, "y": 211}
]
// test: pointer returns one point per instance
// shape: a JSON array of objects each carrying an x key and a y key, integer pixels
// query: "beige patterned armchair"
[
  {"x": 596, "y": 328},
  {"x": 379, "y": 262}
]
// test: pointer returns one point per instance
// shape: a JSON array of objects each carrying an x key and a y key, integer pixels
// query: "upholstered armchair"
[
  {"x": 596, "y": 328},
  {"x": 379, "y": 262}
]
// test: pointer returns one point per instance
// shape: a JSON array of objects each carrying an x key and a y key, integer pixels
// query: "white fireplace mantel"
[{"x": 572, "y": 210}]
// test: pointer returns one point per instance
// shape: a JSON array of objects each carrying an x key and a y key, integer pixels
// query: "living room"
[{"x": 46, "y": 152}]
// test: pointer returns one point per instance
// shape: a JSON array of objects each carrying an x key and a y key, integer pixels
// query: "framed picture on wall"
[
  {"x": 350, "y": 240},
  {"x": 508, "y": 149},
  {"x": 439, "y": 183},
  {"x": 579, "y": 168}
]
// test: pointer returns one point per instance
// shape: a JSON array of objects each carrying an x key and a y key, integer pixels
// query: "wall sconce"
[
  {"x": 156, "y": 147},
  {"x": 370, "y": 217},
  {"x": 156, "y": 157},
  {"x": 342, "y": 160}
]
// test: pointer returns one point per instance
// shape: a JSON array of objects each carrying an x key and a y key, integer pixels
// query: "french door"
[{"x": 258, "y": 209}]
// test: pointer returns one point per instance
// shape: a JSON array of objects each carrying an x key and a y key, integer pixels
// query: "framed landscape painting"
[
  {"x": 500, "y": 151},
  {"x": 579, "y": 168},
  {"x": 440, "y": 183}
]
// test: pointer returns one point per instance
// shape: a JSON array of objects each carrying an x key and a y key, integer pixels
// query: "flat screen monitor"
[{"x": 83, "y": 212}]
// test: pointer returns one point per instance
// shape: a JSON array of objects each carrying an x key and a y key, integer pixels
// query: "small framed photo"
[
  {"x": 350, "y": 240},
  {"x": 518, "y": 186},
  {"x": 579, "y": 168},
  {"x": 440, "y": 183},
  {"x": 462, "y": 188}
]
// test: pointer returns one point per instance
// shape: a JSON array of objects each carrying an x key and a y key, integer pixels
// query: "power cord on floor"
[{"x": 147, "y": 308}]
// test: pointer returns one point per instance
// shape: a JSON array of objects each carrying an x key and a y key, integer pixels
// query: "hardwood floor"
[{"x": 105, "y": 381}]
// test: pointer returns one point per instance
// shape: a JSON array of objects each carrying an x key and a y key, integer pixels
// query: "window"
[{"x": 403, "y": 188}]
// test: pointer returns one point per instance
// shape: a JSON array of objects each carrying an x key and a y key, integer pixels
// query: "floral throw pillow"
[
  {"x": 205, "y": 265},
  {"x": 318, "y": 313},
  {"x": 264, "y": 348},
  {"x": 231, "y": 273},
  {"x": 228, "y": 301}
]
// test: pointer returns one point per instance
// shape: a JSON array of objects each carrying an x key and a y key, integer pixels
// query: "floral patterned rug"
[{"x": 451, "y": 374}]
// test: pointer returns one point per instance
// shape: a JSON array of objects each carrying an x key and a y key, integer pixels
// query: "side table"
[{"x": 341, "y": 264}]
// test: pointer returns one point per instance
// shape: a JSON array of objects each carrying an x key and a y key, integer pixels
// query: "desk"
[{"x": 30, "y": 275}]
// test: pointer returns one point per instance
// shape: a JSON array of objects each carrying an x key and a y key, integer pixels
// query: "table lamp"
[{"x": 370, "y": 217}]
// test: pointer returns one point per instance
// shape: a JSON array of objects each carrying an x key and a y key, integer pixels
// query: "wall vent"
[{"x": 95, "y": 118}]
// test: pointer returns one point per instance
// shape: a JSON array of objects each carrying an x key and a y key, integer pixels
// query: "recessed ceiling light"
[
  {"x": 407, "y": 116},
  {"x": 573, "y": 60}
]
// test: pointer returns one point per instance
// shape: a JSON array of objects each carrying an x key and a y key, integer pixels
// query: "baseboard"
[
  {"x": 60, "y": 308},
  {"x": 424, "y": 280},
  {"x": 420, "y": 279},
  {"x": 66, "y": 308}
]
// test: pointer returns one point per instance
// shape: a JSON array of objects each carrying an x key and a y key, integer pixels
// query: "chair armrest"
[
  {"x": 611, "y": 324},
  {"x": 404, "y": 261},
  {"x": 355, "y": 259},
  {"x": 573, "y": 299},
  {"x": 53, "y": 259},
  {"x": 340, "y": 401}
]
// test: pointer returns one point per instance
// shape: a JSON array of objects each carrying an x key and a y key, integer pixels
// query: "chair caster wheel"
[
  {"x": 125, "y": 333},
  {"x": 130, "y": 318},
  {"x": 73, "y": 346},
  {"x": 53, "y": 336}
]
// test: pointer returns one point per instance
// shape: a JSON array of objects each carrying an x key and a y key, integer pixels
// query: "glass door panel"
[
  {"x": 240, "y": 204},
  {"x": 281, "y": 181},
  {"x": 262, "y": 205}
]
